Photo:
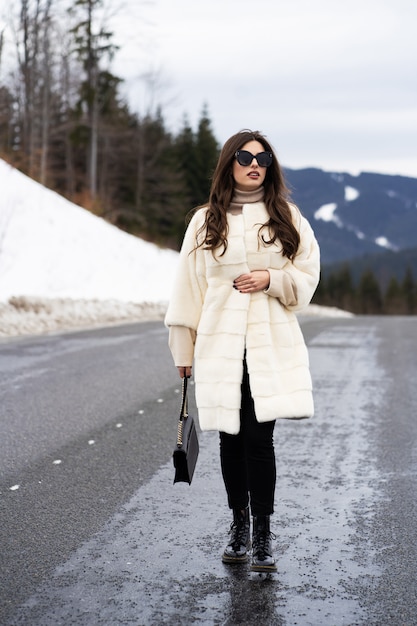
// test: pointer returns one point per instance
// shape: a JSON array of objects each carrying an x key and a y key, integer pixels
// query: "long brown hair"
[{"x": 279, "y": 226}]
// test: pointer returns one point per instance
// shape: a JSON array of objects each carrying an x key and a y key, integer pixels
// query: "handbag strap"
[
  {"x": 183, "y": 412},
  {"x": 184, "y": 401}
]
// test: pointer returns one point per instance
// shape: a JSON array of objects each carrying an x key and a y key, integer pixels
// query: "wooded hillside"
[{"x": 64, "y": 123}]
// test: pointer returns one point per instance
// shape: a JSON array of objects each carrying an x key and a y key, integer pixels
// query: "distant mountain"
[{"x": 356, "y": 215}]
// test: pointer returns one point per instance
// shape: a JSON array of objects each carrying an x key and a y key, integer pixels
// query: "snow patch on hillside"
[
  {"x": 327, "y": 213},
  {"x": 385, "y": 243},
  {"x": 351, "y": 193}
]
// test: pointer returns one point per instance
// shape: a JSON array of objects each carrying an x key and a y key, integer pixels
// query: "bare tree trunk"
[
  {"x": 92, "y": 104},
  {"x": 46, "y": 71},
  {"x": 69, "y": 165},
  {"x": 28, "y": 55},
  {"x": 94, "y": 121},
  {"x": 34, "y": 110},
  {"x": 140, "y": 169},
  {"x": 24, "y": 66}
]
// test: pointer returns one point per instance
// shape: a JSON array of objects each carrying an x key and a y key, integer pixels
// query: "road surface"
[{"x": 93, "y": 531}]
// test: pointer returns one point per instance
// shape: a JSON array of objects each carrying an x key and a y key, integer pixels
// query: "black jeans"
[{"x": 248, "y": 459}]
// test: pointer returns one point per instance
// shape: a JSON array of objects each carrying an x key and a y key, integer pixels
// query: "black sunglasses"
[{"x": 245, "y": 158}]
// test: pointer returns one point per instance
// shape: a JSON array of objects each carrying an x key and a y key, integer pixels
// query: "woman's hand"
[
  {"x": 258, "y": 280},
  {"x": 184, "y": 370}
]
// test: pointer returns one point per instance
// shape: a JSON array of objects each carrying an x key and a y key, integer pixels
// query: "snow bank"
[
  {"x": 33, "y": 316},
  {"x": 315, "y": 310}
]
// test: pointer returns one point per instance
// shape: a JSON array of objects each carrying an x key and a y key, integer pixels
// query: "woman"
[{"x": 248, "y": 261}]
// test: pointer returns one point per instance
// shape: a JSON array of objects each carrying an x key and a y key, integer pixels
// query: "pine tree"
[
  {"x": 7, "y": 125},
  {"x": 340, "y": 291},
  {"x": 394, "y": 303},
  {"x": 409, "y": 288},
  {"x": 197, "y": 155},
  {"x": 184, "y": 148},
  {"x": 206, "y": 155},
  {"x": 369, "y": 294},
  {"x": 152, "y": 185}
]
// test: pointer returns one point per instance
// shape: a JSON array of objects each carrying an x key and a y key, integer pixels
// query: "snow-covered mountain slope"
[{"x": 51, "y": 248}]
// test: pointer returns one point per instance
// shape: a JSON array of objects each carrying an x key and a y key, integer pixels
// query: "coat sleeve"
[
  {"x": 181, "y": 343},
  {"x": 187, "y": 296},
  {"x": 294, "y": 285}
]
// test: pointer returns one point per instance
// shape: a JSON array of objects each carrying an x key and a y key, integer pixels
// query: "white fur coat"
[{"x": 227, "y": 322}]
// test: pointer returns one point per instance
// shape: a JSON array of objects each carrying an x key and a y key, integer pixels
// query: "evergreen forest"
[{"x": 367, "y": 295}]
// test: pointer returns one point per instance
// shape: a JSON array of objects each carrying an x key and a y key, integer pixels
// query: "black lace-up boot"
[
  {"x": 262, "y": 560},
  {"x": 236, "y": 550}
]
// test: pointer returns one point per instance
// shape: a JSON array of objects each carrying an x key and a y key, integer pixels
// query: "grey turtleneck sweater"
[{"x": 245, "y": 197}]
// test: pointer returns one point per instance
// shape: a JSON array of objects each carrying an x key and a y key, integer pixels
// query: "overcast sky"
[{"x": 332, "y": 84}]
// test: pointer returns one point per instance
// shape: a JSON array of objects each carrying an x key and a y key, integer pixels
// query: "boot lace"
[
  {"x": 238, "y": 532},
  {"x": 262, "y": 544}
]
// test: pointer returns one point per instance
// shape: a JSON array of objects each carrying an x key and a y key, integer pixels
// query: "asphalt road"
[{"x": 92, "y": 530}]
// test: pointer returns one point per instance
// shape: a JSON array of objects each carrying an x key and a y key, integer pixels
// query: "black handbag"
[{"x": 186, "y": 451}]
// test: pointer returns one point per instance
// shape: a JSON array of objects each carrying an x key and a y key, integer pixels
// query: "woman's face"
[{"x": 249, "y": 177}]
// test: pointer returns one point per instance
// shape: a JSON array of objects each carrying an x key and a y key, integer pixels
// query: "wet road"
[{"x": 105, "y": 538}]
